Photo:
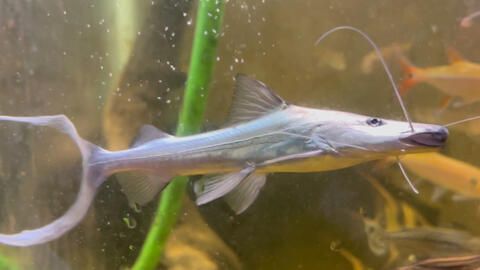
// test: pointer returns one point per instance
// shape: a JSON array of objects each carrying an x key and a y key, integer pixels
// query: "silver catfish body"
[
  {"x": 293, "y": 139},
  {"x": 263, "y": 134},
  {"x": 272, "y": 143}
]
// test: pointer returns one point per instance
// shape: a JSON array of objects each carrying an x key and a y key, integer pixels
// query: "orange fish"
[{"x": 459, "y": 79}]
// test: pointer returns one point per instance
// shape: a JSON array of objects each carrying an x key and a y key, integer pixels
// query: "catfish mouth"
[{"x": 427, "y": 139}]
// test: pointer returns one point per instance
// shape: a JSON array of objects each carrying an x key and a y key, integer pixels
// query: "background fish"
[
  {"x": 471, "y": 262},
  {"x": 389, "y": 52},
  {"x": 461, "y": 78},
  {"x": 455, "y": 175}
]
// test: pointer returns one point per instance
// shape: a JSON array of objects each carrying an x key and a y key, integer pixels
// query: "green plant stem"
[{"x": 207, "y": 29}]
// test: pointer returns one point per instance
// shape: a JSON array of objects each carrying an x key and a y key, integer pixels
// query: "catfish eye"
[{"x": 374, "y": 122}]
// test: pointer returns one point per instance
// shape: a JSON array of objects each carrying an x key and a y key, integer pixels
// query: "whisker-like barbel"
[
  {"x": 405, "y": 175},
  {"x": 462, "y": 121},
  {"x": 382, "y": 60},
  {"x": 390, "y": 77}
]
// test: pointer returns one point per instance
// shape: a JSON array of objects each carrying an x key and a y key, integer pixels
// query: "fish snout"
[{"x": 435, "y": 138}]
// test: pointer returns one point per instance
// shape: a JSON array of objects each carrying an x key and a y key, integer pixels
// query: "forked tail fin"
[{"x": 92, "y": 178}]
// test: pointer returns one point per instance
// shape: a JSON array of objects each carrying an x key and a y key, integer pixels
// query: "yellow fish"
[
  {"x": 459, "y": 79},
  {"x": 388, "y": 52},
  {"x": 452, "y": 174}
]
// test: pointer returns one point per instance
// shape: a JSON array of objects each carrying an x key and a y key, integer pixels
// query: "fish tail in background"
[
  {"x": 92, "y": 178},
  {"x": 454, "y": 55},
  {"x": 410, "y": 77}
]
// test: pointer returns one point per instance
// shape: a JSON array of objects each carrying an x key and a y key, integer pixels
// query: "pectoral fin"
[
  {"x": 141, "y": 188},
  {"x": 241, "y": 197},
  {"x": 210, "y": 188},
  {"x": 242, "y": 187}
]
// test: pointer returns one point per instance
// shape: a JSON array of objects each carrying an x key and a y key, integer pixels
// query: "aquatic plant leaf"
[
  {"x": 210, "y": 188},
  {"x": 141, "y": 188},
  {"x": 149, "y": 133},
  {"x": 252, "y": 99},
  {"x": 241, "y": 197}
]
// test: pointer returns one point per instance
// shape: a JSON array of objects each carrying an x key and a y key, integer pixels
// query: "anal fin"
[
  {"x": 141, "y": 188},
  {"x": 241, "y": 197}
]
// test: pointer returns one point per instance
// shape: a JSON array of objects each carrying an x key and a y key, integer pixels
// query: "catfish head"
[{"x": 363, "y": 136}]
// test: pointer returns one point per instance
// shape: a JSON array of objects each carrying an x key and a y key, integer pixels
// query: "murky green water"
[{"x": 66, "y": 57}]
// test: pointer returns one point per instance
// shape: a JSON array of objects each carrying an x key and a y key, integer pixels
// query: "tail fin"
[
  {"x": 409, "y": 78},
  {"x": 92, "y": 177}
]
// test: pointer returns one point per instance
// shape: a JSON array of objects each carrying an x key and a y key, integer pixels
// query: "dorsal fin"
[
  {"x": 148, "y": 133},
  {"x": 454, "y": 55},
  {"x": 252, "y": 99}
]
